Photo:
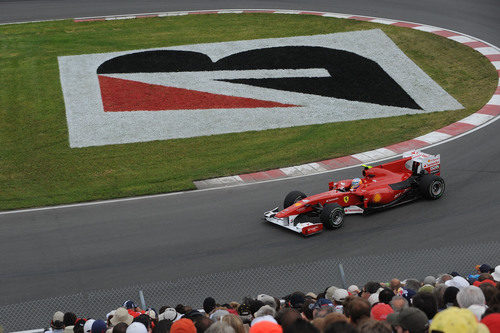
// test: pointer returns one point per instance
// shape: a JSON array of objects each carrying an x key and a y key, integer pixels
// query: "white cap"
[
  {"x": 88, "y": 325},
  {"x": 137, "y": 327},
  {"x": 263, "y": 318},
  {"x": 458, "y": 282}
]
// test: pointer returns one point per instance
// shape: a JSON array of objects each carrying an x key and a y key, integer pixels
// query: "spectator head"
[
  {"x": 395, "y": 284},
  {"x": 339, "y": 296},
  {"x": 455, "y": 320},
  {"x": 341, "y": 326},
  {"x": 265, "y": 310},
  {"x": 412, "y": 284},
  {"x": 297, "y": 300},
  {"x": 477, "y": 310},
  {"x": 370, "y": 288},
  {"x": 220, "y": 327},
  {"x": 209, "y": 304},
  {"x": 235, "y": 322},
  {"x": 385, "y": 295},
  {"x": 496, "y": 274},
  {"x": 301, "y": 326},
  {"x": 202, "y": 323},
  {"x": 99, "y": 326},
  {"x": 129, "y": 305},
  {"x": 263, "y": 318},
  {"x": 78, "y": 328},
  {"x": 438, "y": 292},
  {"x": 245, "y": 313},
  {"x": 429, "y": 280},
  {"x": 137, "y": 327},
  {"x": 484, "y": 268},
  {"x": 121, "y": 316},
  {"x": 308, "y": 308},
  {"x": 144, "y": 319},
  {"x": 458, "y": 282},
  {"x": 450, "y": 296},
  {"x": 375, "y": 326},
  {"x": 322, "y": 307},
  {"x": 353, "y": 290},
  {"x": 169, "y": 314},
  {"x": 285, "y": 317},
  {"x": 470, "y": 295},
  {"x": 182, "y": 325},
  {"x": 427, "y": 303},
  {"x": 266, "y": 327},
  {"x": 88, "y": 325},
  {"x": 329, "y": 292},
  {"x": 122, "y": 328},
  {"x": 181, "y": 309},
  {"x": 193, "y": 315},
  {"x": 426, "y": 288},
  {"x": 357, "y": 309},
  {"x": 57, "y": 322},
  {"x": 492, "y": 321},
  {"x": 443, "y": 278},
  {"x": 489, "y": 292},
  {"x": 218, "y": 314},
  {"x": 398, "y": 303},
  {"x": 380, "y": 311},
  {"x": 412, "y": 320},
  {"x": 267, "y": 300},
  {"x": 333, "y": 318},
  {"x": 312, "y": 295},
  {"x": 69, "y": 319}
]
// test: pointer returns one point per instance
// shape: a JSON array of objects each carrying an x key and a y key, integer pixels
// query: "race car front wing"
[{"x": 304, "y": 228}]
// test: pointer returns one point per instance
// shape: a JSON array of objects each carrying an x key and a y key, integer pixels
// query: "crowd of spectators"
[{"x": 448, "y": 303}]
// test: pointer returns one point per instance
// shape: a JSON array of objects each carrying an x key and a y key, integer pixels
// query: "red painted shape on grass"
[
  {"x": 493, "y": 110},
  {"x": 361, "y": 18},
  {"x": 476, "y": 44},
  {"x": 406, "y": 24},
  {"x": 276, "y": 173},
  {"x": 456, "y": 128},
  {"x": 445, "y": 33},
  {"x": 407, "y": 146},
  {"x": 493, "y": 57},
  {"x": 127, "y": 95}
]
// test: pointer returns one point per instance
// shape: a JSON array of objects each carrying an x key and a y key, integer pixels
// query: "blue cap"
[
  {"x": 99, "y": 326},
  {"x": 322, "y": 302},
  {"x": 129, "y": 304}
]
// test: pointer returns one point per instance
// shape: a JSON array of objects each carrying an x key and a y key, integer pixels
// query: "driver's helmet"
[{"x": 355, "y": 183}]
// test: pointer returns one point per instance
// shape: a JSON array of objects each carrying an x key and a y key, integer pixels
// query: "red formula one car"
[{"x": 414, "y": 176}]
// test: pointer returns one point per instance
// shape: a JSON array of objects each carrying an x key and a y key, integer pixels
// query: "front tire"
[
  {"x": 332, "y": 216},
  {"x": 431, "y": 187},
  {"x": 293, "y": 197}
]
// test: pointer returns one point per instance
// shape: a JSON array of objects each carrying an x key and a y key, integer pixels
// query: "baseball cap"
[
  {"x": 322, "y": 302},
  {"x": 458, "y": 282},
  {"x": 99, "y": 326},
  {"x": 484, "y": 268},
  {"x": 88, "y": 325},
  {"x": 169, "y": 314},
  {"x": 137, "y": 327},
  {"x": 183, "y": 325},
  {"x": 297, "y": 300},
  {"x": 339, "y": 295},
  {"x": 129, "y": 304},
  {"x": 353, "y": 289},
  {"x": 456, "y": 320},
  {"x": 57, "y": 320},
  {"x": 411, "y": 319},
  {"x": 263, "y": 318},
  {"x": 266, "y": 327}
]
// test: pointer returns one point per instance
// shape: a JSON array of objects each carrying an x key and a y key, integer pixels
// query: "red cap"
[
  {"x": 493, "y": 322},
  {"x": 265, "y": 327},
  {"x": 183, "y": 325},
  {"x": 380, "y": 311}
]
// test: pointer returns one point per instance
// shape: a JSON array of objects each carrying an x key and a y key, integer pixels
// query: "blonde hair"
[{"x": 235, "y": 322}]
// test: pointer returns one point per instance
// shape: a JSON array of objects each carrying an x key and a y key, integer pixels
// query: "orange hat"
[
  {"x": 265, "y": 327},
  {"x": 183, "y": 325}
]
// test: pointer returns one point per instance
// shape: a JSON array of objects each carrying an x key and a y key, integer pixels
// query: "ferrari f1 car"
[{"x": 414, "y": 176}]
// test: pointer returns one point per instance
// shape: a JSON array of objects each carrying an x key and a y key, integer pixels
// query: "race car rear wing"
[{"x": 423, "y": 163}]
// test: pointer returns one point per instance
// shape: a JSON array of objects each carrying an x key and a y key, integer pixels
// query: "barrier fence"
[{"x": 275, "y": 280}]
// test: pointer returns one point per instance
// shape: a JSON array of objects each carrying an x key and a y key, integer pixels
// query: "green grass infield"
[{"x": 38, "y": 168}]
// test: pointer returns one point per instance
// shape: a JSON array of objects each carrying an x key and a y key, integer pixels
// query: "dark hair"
[
  {"x": 386, "y": 295},
  {"x": 307, "y": 308},
  {"x": 287, "y": 316},
  {"x": 301, "y": 326},
  {"x": 144, "y": 319},
  {"x": 427, "y": 303},
  {"x": 341, "y": 326},
  {"x": 120, "y": 328},
  {"x": 375, "y": 326},
  {"x": 209, "y": 304},
  {"x": 180, "y": 308},
  {"x": 69, "y": 319},
  {"x": 371, "y": 287},
  {"x": 78, "y": 328},
  {"x": 163, "y": 326},
  {"x": 202, "y": 324},
  {"x": 450, "y": 296},
  {"x": 163, "y": 308},
  {"x": 357, "y": 309}
]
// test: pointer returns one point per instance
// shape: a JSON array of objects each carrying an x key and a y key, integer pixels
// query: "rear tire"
[
  {"x": 431, "y": 187},
  {"x": 332, "y": 216},
  {"x": 293, "y": 197}
]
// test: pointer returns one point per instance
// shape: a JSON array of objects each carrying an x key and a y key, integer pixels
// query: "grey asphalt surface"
[{"x": 62, "y": 251}]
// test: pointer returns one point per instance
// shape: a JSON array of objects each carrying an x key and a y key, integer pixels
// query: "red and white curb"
[{"x": 488, "y": 112}]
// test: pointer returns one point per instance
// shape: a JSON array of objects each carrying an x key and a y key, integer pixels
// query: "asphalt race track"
[{"x": 61, "y": 251}]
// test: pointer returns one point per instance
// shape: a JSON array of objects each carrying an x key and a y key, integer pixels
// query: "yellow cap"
[{"x": 456, "y": 320}]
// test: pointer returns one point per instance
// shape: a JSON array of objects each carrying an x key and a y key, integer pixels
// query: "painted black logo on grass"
[{"x": 352, "y": 77}]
